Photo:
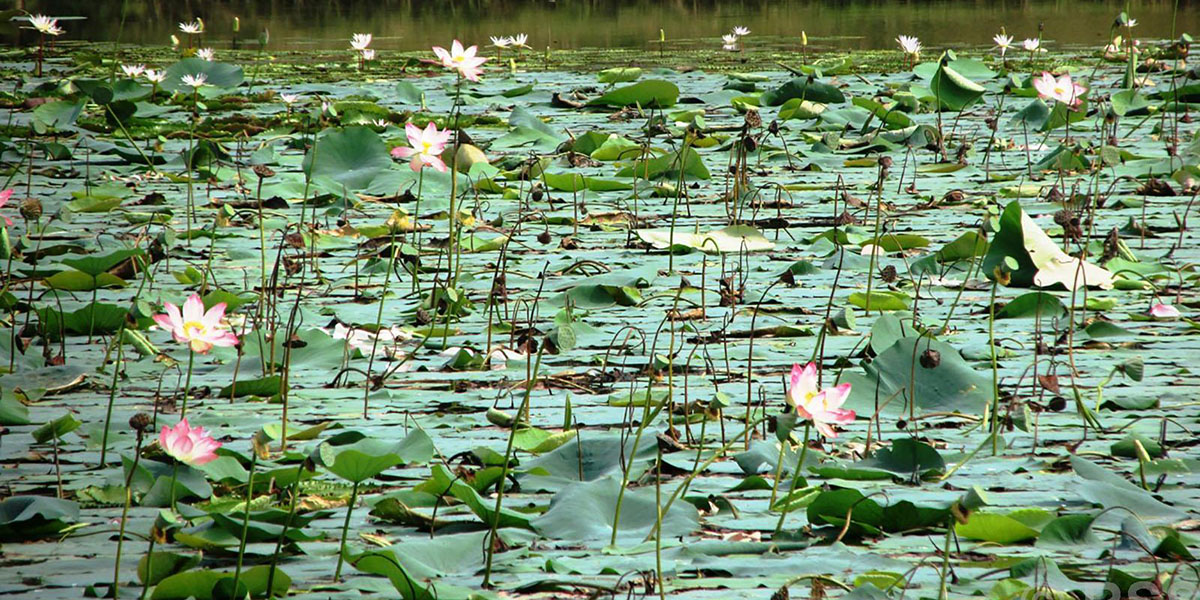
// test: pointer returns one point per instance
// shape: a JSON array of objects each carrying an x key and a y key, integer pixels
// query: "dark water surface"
[{"x": 414, "y": 24}]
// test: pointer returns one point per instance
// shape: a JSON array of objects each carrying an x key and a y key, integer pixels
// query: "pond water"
[{"x": 411, "y": 25}]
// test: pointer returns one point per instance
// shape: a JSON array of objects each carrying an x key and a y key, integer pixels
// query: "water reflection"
[{"x": 416, "y": 24}]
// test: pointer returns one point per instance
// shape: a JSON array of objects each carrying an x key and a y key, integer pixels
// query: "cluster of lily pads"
[{"x": 254, "y": 347}]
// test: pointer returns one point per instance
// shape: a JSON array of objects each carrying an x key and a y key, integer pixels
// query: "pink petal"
[
  {"x": 1164, "y": 311},
  {"x": 430, "y": 133},
  {"x": 841, "y": 415},
  {"x": 825, "y": 429},
  {"x": 836, "y": 396},
  {"x": 164, "y": 321},
  {"x": 403, "y": 151},
  {"x": 193, "y": 309},
  {"x": 213, "y": 317},
  {"x": 413, "y": 133},
  {"x": 436, "y": 163}
]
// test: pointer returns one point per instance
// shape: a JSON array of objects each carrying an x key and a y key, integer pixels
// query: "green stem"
[
  {"x": 337, "y": 573},
  {"x": 995, "y": 405},
  {"x": 512, "y": 434},
  {"x": 944, "y": 592},
  {"x": 795, "y": 476},
  {"x": 137, "y": 453},
  {"x": 187, "y": 385},
  {"x": 237, "y": 573}
]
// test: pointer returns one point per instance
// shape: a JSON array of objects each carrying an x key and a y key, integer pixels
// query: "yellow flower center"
[{"x": 194, "y": 329}]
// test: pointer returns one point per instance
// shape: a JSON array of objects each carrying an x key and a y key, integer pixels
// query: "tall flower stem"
[
  {"x": 387, "y": 279},
  {"x": 453, "y": 269},
  {"x": 174, "y": 478},
  {"x": 795, "y": 476},
  {"x": 337, "y": 572},
  {"x": 237, "y": 573},
  {"x": 187, "y": 385},
  {"x": 512, "y": 435},
  {"x": 995, "y": 404},
  {"x": 137, "y": 454},
  {"x": 416, "y": 221}
]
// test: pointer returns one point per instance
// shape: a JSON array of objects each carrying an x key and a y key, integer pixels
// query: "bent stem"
[{"x": 795, "y": 477}]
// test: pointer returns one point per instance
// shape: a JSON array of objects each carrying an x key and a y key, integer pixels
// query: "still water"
[{"x": 417, "y": 24}]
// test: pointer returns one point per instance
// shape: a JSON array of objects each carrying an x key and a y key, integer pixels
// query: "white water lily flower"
[
  {"x": 363, "y": 340},
  {"x": 195, "y": 81},
  {"x": 205, "y": 54},
  {"x": 46, "y": 25},
  {"x": 909, "y": 44},
  {"x": 1032, "y": 45},
  {"x": 501, "y": 42},
  {"x": 729, "y": 39},
  {"x": 1131, "y": 23},
  {"x": 192, "y": 27},
  {"x": 741, "y": 31},
  {"x": 1003, "y": 42},
  {"x": 519, "y": 40},
  {"x": 360, "y": 41},
  {"x": 154, "y": 76},
  {"x": 289, "y": 98},
  {"x": 132, "y": 71},
  {"x": 368, "y": 54}
]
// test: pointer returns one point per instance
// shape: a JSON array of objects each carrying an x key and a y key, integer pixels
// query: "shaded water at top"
[{"x": 416, "y": 24}]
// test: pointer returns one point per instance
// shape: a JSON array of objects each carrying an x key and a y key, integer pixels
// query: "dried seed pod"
[
  {"x": 930, "y": 358},
  {"x": 141, "y": 422},
  {"x": 263, "y": 171},
  {"x": 753, "y": 119}
]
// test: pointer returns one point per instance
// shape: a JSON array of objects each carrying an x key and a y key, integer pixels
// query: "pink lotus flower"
[
  {"x": 462, "y": 60},
  {"x": 426, "y": 147},
  {"x": 1164, "y": 311},
  {"x": 189, "y": 445},
  {"x": 4, "y": 196},
  {"x": 1061, "y": 89},
  {"x": 822, "y": 407},
  {"x": 195, "y": 327}
]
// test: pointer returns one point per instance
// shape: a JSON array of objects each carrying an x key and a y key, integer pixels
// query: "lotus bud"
[
  {"x": 237, "y": 24},
  {"x": 803, "y": 38}
]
